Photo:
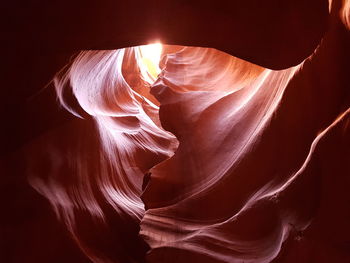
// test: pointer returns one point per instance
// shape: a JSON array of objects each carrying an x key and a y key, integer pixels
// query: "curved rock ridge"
[{"x": 215, "y": 160}]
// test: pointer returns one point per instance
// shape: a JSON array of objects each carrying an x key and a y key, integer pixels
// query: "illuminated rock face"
[
  {"x": 227, "y": 167},
  {"x": 218, "y": 160},
  {"x": 239, "y": 184}
]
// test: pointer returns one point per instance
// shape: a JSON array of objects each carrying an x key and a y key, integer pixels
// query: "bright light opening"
[{"x": 150, "y": 57}]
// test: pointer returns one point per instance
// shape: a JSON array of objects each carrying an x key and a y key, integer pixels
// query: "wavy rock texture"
[
  {"x": 215, "y": 160},
  {"x": 231, "y": 191}
]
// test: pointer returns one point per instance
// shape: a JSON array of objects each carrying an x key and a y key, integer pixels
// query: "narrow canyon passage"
[{"x": 171, "y": 152}]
